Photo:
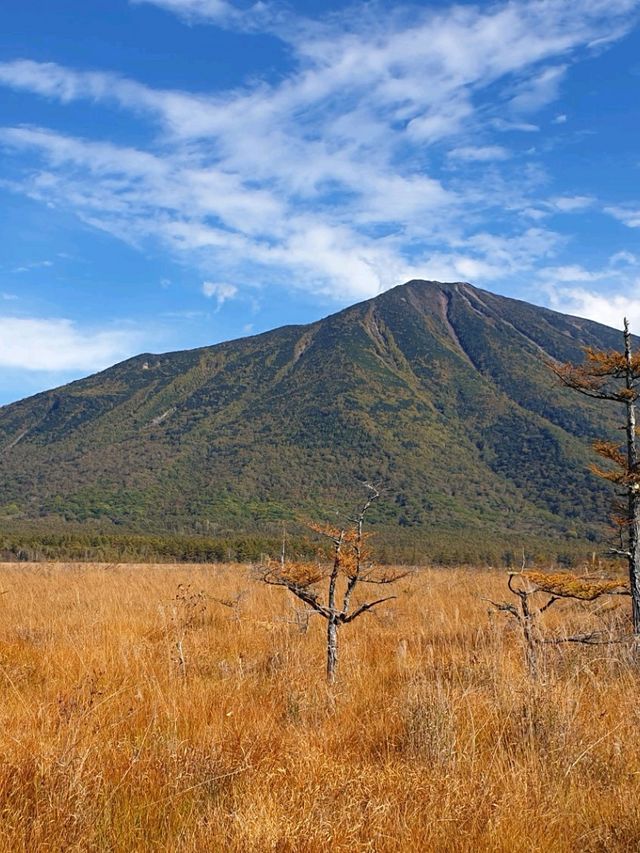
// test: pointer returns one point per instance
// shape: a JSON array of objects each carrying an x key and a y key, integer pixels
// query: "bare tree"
[
  {"x": 615, "y": 376},
  {"x": 350, "y": 567},
  {"x": 537, "y": 591}
]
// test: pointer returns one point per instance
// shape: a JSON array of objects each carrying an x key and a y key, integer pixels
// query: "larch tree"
[
  {"x": 350, "y": 566},
  {"x": 537, "y": 591},
  {"x": 614, "y": 376}
]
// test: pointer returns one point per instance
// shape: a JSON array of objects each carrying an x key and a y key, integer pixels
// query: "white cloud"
[
  {"x": 216, "y": 11},
  {"x": 623, "y": 259},
  {"x": 33, "y": 265},
  {"x": 440, "y": 120},
  {"x": 338, "y": 263},
  {"x": 539, "y": 90},
  {"x": 485, "y": 257},
  {"x": 571, "y": 204},
  {"x": 451, "y": 267},
  {"x": 138, "y": 186},
  {"x": 567, "y": 290},
  {"x": 480, "y": 153},
  {"x": 609, "y": 309},
  {"x": 219, "y": 290},
  {"x": 572, "y": 273},
  {"x": 629, "y": 216},
  {"x": 534, "y": 213},
  {"x": 207, "y": 9},
  {"x": 37, "y": 344},
  {"x": 186, "y": 114},
  {"x": 522, "y": 126},
  {"x": 517, "y": 252},
  {"x": 325, "y": 177}
]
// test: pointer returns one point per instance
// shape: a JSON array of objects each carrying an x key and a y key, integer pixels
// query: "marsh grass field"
[{"x": 185, "y": 708}]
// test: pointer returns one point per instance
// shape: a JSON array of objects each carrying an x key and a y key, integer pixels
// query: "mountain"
[{"x": 441, "y": 391}]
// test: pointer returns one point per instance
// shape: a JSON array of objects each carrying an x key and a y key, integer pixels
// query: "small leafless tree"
[
  {"x": 350, "y": 567},
  {"x": 537, "y": 591},
  {"x": 615, "y": 377}
]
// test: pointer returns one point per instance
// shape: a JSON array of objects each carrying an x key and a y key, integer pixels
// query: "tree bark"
[
  {"x": 633, "y": 487},
  {"x": 332, "y": 618},
  {"x": 332, "y": 648},
  {"x": 531, "y": 652},
  {"x": 634, "y": 560}
]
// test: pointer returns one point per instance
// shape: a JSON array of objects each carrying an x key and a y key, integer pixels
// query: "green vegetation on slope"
[{"x": 440, "y": 391}]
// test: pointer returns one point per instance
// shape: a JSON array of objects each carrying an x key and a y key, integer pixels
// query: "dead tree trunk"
[
  {"x": 332, "y": 648},
  {"x": 615, "y": 376},
  {"x": 332, "y": 616},
  {"x": 633, "y": 487}
]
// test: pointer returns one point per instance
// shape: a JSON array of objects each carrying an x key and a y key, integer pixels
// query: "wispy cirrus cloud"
[
  {"x": 539, "y": 90},
  {"x": 329, "y": 176},
  {"x": 570, "y": 204},
  {"x": 219, "y": 11},
  {"x": 479, "y": 153}
]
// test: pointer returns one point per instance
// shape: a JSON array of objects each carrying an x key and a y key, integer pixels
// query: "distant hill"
[{"x": 440, "y": 391}]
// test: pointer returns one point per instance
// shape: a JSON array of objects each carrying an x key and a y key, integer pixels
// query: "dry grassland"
[{"x": 132, "y": 719}]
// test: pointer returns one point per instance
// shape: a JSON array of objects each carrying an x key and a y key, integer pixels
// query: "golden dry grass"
[{"x": 434, "y": 739}]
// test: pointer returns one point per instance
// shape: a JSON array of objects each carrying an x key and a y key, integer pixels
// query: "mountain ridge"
[{"x": 440, "y": 390}]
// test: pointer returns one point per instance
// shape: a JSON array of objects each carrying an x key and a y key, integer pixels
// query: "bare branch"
[
  {"x": 364, "y": 607},
  {"x": 374, "y": 494},
  {"x": 619, "y": 553},
  {"x": 384, "y": 579},
  {"x": 595, "y": 638},
  {"x": 308, "y": 596},
  {"x": 519, "y": 592},
  {"x": 551, "y": 601},
  {"x": 503, "y": 606}
]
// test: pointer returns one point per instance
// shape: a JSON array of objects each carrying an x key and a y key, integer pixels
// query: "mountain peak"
[
  {"x": 427, "y": 287},
  {"x": 438, "y": 389},
  {"x": 445, "y": 286}
]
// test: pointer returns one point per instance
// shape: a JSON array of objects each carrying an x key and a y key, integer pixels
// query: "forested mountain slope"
[{"x": 441, "y": 391}]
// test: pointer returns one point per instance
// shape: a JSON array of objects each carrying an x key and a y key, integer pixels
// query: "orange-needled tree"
[
  {"x": 331, "y": 591},
  {"x": 614, "y": 376}
]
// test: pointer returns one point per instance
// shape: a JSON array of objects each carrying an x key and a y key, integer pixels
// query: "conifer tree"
[
  {"x": 350, "y": 567},
  {"x": 614, "y": 376}
]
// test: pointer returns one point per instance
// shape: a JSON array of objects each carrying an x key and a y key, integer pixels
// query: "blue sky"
[{"x": 174, "y": 173}]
